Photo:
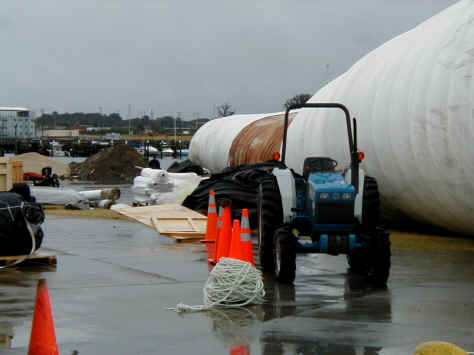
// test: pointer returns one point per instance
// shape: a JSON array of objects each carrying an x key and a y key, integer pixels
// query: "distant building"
[
  {"x": 60, "y": 133},
  {"x": 95, "y": 129},
  {"x": 15, "y": 122}
]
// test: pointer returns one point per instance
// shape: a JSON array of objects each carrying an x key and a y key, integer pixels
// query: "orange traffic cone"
[
  {"x": 245, "y": 237},
  {"x": 211, "y": 226},
  {"x": 240, "y": 350},
  {"x": 225, "y": 235},
  {"x": 218, "y": 232},
  {"x": 235, "y": 244},
  {"x": 43, "y": 337}
]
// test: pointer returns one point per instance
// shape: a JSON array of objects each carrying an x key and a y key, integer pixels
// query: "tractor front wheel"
[
  {"x": 284, "y": 254},
  {"x": 270, "y": 216}
]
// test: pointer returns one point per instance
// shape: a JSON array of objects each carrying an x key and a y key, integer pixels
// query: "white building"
[
  {"x": 60, "y": 133},
  {"x": 15, "y": 122}
]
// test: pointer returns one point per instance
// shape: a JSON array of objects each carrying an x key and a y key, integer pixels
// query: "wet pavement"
[{"x": 115, "y": 279}]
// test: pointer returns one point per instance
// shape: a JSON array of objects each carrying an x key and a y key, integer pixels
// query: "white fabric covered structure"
[
  {"x": 210, "y": 145},
  {"x": 413, "y": 99}
]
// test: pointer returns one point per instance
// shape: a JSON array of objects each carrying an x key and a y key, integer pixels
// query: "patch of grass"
[
  {"x": 92, "y": 213},
  {"x": 429, "y": 242}
]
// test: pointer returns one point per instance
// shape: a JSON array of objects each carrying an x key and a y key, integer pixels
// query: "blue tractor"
[{"x": 338, "y": 210}]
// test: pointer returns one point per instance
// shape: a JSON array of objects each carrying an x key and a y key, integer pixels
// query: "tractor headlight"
[
  {"x": 346, "y": 196},
  {"x": 336, "y": 195},
  {"x": 324, "y": 196}
]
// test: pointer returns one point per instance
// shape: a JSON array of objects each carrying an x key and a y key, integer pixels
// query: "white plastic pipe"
[{"x": 93, "y": 195}]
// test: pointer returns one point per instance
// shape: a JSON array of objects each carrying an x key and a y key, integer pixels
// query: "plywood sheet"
[
  {"x": 193, "y": 227},
  {"x": 145, "y": 214}
]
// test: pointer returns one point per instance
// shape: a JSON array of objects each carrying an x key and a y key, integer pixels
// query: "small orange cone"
[
  {"x": 245, "y": 237},
  {"x": 43, "y": 337},
  {"x": 225, "y": 235},
  {"x": 211, "y": 226},
  {"x": 235, "y": 244}
]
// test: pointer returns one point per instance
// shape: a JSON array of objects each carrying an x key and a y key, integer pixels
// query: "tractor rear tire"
[
  {"x": 284, "y": 254},
  {"x": 270, "y": 216}
]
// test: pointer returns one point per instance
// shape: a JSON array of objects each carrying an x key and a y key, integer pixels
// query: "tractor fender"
[
  {"x": 359, "y": 197},
  {"x": 287, "y": 187}
]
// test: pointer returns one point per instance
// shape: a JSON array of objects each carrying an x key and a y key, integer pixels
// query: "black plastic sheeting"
[
  {"x": 186, "y": 166},
  {"x": 239, "y": 184},
  {"x": 20, "y": 218}
]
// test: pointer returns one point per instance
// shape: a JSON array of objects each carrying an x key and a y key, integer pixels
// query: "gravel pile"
[{"x": 34, "y": 162}]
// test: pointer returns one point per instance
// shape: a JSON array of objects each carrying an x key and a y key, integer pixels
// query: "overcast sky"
[{"x": 187, "y": 56}]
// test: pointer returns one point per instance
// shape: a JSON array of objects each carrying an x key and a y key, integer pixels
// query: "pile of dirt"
[
  {"x": 34, "y": 162},
  {"x": 114, "y": 165}
]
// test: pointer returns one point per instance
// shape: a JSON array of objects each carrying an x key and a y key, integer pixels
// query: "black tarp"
[
  {"x": 20, "y": 219},
  {"x": 239, "y": 184},
  {"x": 186, "y": 166}
]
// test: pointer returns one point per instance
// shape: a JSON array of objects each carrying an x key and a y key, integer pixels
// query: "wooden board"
[
  {"x": 33, "y": 259},
  {"x": 11, "y": 172},
  {"x": 146, "y": 213},
  {"x": 183, "y": 227}
]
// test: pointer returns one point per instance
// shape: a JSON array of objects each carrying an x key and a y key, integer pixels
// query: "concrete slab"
[{"x": 115, "y": 280}]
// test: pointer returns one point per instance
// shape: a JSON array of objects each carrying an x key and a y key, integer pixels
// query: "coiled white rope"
[{"x": 231, "y": 283}]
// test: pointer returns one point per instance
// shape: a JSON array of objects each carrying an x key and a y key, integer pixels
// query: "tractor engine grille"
[{"x": 335, "y": 213}]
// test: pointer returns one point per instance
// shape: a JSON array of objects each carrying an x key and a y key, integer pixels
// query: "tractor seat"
[{"x": 318, "y": 164}]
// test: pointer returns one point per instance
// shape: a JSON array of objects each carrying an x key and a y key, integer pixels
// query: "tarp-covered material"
[
  {"x": 239, "y": 184},
  {"x": 186, "y": 166},
  {"x": 413, "y": 99},
  {"x": 20, "y": 225},
  {"x": 211, "y": 144}
]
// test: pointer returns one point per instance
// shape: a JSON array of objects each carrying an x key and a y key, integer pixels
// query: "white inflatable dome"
[{"x": 413, "y": 100}]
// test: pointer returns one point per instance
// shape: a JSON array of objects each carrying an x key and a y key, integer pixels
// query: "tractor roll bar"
[{"x": 352, "y": 139}]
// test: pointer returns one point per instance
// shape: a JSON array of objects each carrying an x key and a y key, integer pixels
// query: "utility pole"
[
  {"x": 178, "y": 115},
  {"x": 129, "y": 119}
]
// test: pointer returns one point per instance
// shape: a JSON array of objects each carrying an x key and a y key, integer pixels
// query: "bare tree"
[
  {"x": 225, "y": 110},
  {"x": 299, "y": 99}
]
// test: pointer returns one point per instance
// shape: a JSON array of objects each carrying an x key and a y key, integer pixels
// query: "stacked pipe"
[
  {"x": 147, "y": 186},
  {"x": 156, "y": 186},
  {"x": 104, "y": 198}
]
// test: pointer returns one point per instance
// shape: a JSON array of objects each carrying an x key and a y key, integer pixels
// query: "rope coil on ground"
[{"x": 232, "y": 283}]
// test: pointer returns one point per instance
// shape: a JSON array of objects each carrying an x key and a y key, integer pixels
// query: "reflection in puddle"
[
  {"x": 329, "y": 307},
  {"x": 236, "y": 326},
  {"x": 17, "y": 297},
  {"x": 6, "y": 335}
]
